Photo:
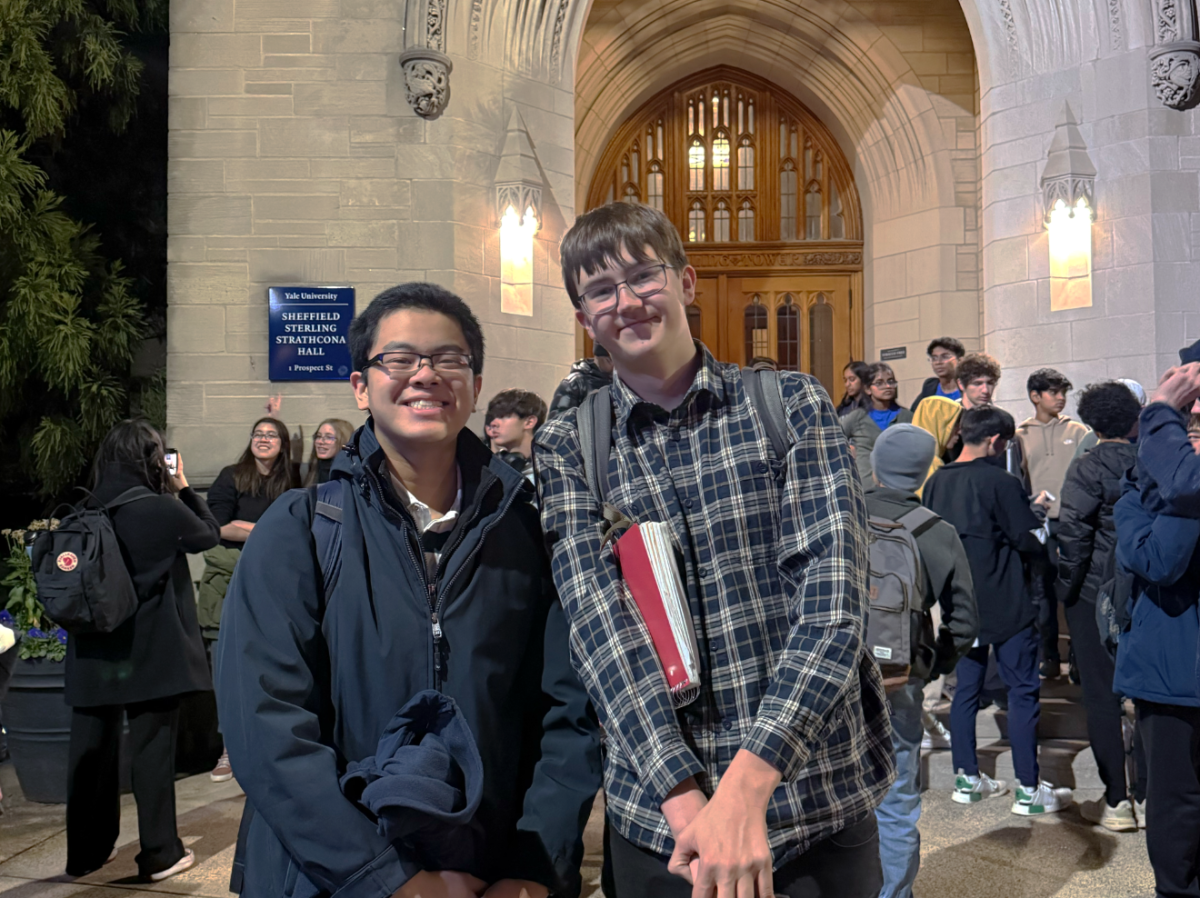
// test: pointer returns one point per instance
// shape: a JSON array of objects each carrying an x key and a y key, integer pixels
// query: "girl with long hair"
[
  {"x": 141, "y": 668},
  {"x": 332, "y": 434},
  {"x": 854, "y": 376},
  {"x": 239, "y": 496},
  {"x": 864, "y": 425}
]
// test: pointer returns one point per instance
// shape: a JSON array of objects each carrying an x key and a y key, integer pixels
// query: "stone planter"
[{"x": 38, "y": 722}]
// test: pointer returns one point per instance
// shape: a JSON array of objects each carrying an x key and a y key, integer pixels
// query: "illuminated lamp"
[
  {"x": 1068, "y": 198},
  {"x": 519, "y": 213}
]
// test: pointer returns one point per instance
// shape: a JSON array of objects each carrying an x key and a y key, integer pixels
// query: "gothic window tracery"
[{"x": 732, "y": 160}]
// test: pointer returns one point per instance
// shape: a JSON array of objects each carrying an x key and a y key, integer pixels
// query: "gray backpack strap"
[
  {"x": 763, "y": 388},
  {"x": 918, "y": 520},
  {"x": 594, "y": 421},
  {"x": 327, "y": 500}
]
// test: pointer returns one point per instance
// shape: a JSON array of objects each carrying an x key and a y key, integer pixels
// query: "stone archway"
[{"x": 901, "y": 99}]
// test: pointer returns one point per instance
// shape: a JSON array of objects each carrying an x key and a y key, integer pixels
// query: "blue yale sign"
[{"x": 309, "y": 330}]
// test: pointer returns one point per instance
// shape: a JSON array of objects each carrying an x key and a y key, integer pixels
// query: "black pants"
[
  {"x": 1103, "y": 706},
  {"x": 1171, "y": 734},
  {"x": 1045, "y": 598},
  {"x": 94, "y": 791},
  {"x": 845, "y": 865}
]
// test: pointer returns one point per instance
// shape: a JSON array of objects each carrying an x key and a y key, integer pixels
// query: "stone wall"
[{"x": 295, "y": 159}]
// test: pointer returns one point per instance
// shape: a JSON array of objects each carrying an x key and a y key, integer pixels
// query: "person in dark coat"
[
  {"x": 855, "y": 377},
  {"x": 1158, "y": 540},
  {"x": 443, "y": 583},
  {"x": 143, "y": 666},
  {"x": 992, "y": 514},
  {"x": 585, "y": 376},
  {"x": 1087, "y": 545}
]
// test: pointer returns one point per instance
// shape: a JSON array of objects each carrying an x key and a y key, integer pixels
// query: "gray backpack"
[{"x": 896, "y": 591}]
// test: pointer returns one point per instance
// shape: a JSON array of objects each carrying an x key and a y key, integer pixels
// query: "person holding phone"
[{"x": 143, "y": 666}]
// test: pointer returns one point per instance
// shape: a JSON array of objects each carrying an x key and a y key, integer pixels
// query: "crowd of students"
[{"x": 428, "y": 665}]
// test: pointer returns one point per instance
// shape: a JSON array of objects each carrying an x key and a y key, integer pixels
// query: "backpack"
[
  {"x": 1114, "y": 607},
  {"x": 81, "y": 577},
  {"x": 896, "y": 591},
  {"x": 595, "y": 423}
]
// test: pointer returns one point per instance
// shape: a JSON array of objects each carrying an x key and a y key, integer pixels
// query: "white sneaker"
[
  {"x": 936, "y": 736},
  {"x": 1044, "y": 799},
  {"x": 1119, "y": 819},
  {"x": 970, "y": 789},
  {"x": 184, "y": 863},
  {"x": 1139, "y": 811}
]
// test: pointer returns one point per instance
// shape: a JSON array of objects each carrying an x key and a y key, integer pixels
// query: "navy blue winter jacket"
[
  {"x": 1168, "y": 459},
  {"x": 1156, "y": 658},
  {"x": 307, "y": 682}
]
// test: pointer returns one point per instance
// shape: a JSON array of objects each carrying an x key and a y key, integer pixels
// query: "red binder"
[{"x": 646, "y": 555}]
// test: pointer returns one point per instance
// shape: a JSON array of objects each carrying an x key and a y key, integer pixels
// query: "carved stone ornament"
[
  {"x": 717, "y": 259},
  {"x": 426, "y": 80},
  {"x": 1175, "y": 74}
]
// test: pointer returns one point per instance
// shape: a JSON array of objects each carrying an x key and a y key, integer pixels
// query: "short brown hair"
[
  {"x": 598, "y": 237},
  {"x": 513, "y": 401},
  {"x": 977, "y": 364}
]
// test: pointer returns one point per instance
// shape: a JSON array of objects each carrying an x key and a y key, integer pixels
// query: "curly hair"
[
  {"x": 1109, "y": 408},
  {"x": 974, "y": 365},
  {"x": 514, "y": 401},
  {"x": 948, "y": 343}
]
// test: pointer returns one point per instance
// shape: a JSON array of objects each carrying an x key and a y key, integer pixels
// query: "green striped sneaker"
[
  {"x": 970, "y": 789},
  {"x": 1045, "y": 799}
]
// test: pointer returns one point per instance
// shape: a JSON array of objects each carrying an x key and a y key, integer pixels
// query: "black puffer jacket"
[
  {"x": 1087, "y": 536},
  {"x": 307, "y": 682},
  {"x": 585, "y": 377}
]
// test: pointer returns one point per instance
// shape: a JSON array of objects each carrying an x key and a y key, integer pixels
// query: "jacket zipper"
[
  {"x": 438, "y": 597},
  {"x": 436, "y": 628}
]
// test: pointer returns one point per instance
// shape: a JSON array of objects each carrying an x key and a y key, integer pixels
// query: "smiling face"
[
  {"x": 325, "y": 441},
  {"x": 265, "y": 442},
  {"x": 638, "y": 331},
  {"x": 426, "y": 406}
]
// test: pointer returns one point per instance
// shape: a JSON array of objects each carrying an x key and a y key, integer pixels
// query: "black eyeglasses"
[
  {"x": 401, "y": 362},
  {"x": 643, "y": 284},
  {"x": 883, "y": 383},
  {"x": 267, "y": 436}
]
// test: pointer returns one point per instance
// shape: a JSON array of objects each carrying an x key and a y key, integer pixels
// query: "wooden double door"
[{"x": 803, "y": 321}]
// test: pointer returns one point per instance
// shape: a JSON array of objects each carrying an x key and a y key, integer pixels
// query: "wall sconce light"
[
  {"x": 519, "y": 212},
  {"x": 1068, "y": 197}
]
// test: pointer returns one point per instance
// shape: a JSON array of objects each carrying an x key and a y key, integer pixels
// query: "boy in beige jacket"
[{"x": 1048, "y": 442}]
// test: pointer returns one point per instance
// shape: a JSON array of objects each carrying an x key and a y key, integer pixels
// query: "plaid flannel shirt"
[{"x": 775, "y": 565}]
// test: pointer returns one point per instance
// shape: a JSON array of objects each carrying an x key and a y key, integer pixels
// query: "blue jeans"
[
  {"x": 1017, "y": 661},
  {"x": 899, "y": 839}
]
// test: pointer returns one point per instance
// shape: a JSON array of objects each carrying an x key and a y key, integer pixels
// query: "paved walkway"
[{"x": 982, "y": 851}]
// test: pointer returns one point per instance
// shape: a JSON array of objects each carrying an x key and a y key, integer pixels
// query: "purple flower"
[
  {"x": 35, "y": 633},
  {"x": 61, "y": 635},
  {"x": 5, "y": 617}
]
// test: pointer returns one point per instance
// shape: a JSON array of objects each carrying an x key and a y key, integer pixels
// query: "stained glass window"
[
  {"x": 755, "y": 326},
  {"x": 746, "y": 222},
  {"x": 787, "y": 318},
  {"x": 721, "y": 222}
]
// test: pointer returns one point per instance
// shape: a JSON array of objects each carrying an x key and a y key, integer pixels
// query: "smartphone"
[{"x": 172, "y": 457}]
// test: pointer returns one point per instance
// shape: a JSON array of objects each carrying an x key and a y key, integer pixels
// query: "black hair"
[
  {"x": 521, "y": 403},
  {"x": 1109, "y": 408},
  {"x": 598, "y": 238},
  {"x": 877, "y": 368},
  {"x": 1045, "y": 379},
  {"x": 414, "y": 295},
  {"x": 599, "y": 352},
  {"x": 281, "y": 477},
  {"x": 1194, "y": 421},
  {"x": 976, "y": 365},
  {"x": 978, "y": 425},
  {"x": 861, "y": 371},
  {"x": 955, "y": 346},
  {"x": 135, "y": 445}
]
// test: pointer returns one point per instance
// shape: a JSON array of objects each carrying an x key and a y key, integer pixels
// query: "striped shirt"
[{"x": 775, "y": 561}]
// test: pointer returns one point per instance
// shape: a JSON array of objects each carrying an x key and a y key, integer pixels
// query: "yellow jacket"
[{"x": 938, "y": 415}]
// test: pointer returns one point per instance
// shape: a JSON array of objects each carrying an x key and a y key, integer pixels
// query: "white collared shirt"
[{"x": 422, "y": 516}]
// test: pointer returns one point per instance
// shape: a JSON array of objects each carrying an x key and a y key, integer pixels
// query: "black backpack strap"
[
  {"x": 327, "y": 501},
  {"x": 763, "y": 388},
  {"x": 133, "y": 494},
  {"x": 594, "y": 422},
  {"x": 918, "y": 520}
]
